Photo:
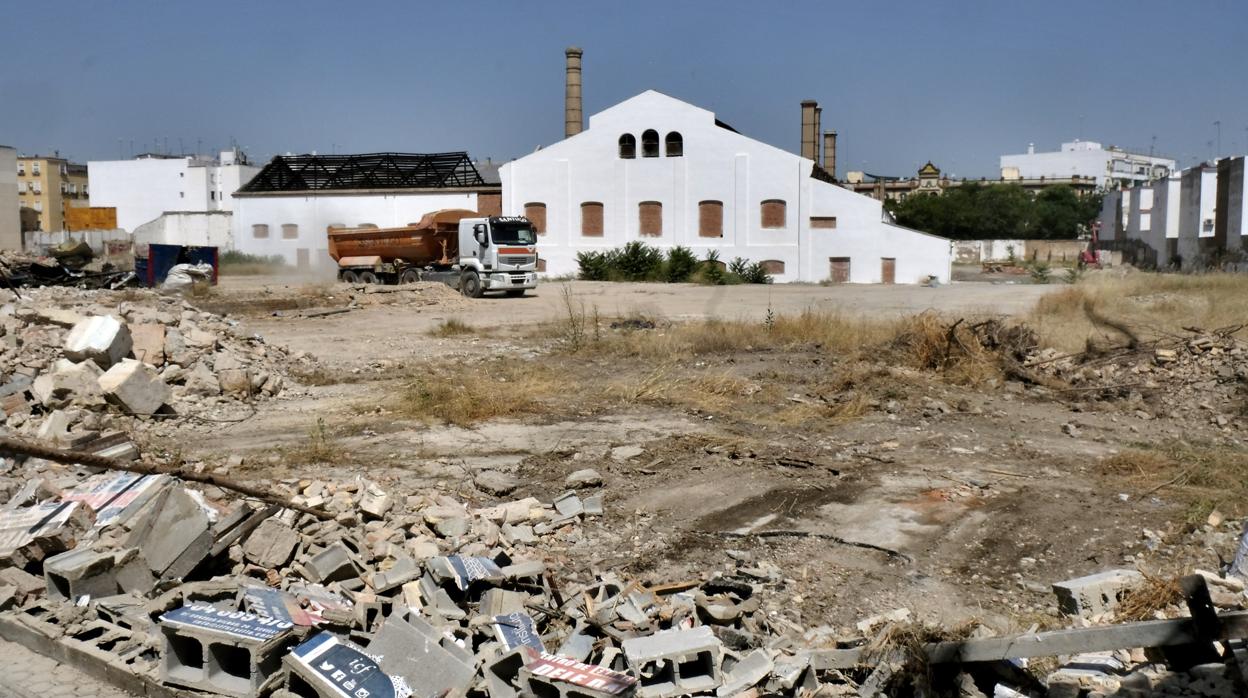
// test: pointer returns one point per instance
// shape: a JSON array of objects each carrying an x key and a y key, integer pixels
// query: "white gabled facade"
[{"x": 718, "y": 175}]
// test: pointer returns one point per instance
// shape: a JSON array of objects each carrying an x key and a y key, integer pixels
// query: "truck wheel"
[
  {"x": 470, "y": 284},
  {"x": 368, "y": 277},
  {"x": 349, "y": 277},
  {"x": 515, "y": 292},
  {"x": 409, "y": 276}
]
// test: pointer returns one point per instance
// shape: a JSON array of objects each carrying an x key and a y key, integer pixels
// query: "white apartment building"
[
  {"x": 1110, "y": 166},
  {"x": 10, "y": 219},
  {"x": 668, "y": 173},
  {"x": 148, "y": 186}
]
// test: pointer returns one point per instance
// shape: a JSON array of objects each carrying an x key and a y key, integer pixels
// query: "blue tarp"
[{"x": 161, "y": 258}]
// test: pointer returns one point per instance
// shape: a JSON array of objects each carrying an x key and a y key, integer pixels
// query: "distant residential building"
[
  {"x": 1110, "y": 166},
  {"x": 149, "y": 185},
  {"x": 10, "y": 220},
  {"x": 1193, "y": 219},
  {"x": 46, "y": 186},
  {"x": 931, "y": 181},
  {"x": 288, "y": 208}
]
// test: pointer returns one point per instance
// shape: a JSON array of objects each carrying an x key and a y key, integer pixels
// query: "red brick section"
[
  {"x": 773, "y": 266},
  {"x": 773, "y": 213},
  {"x": 536, "y": 213},
  {"x": 290, "y": 231},
  {"x": 490, "y": 204},
  {"x": 711, "y": 219},
  {"x": 260, "y": 231},
  {"x": 823, "y": 221},
  {"x": 650, "y": 214},
  {"x": 591, "y": 219}
]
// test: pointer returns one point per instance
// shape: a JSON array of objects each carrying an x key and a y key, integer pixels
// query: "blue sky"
[{"x": 959, "y": 83}]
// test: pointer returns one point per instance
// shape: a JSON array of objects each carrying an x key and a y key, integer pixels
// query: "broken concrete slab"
[
  {"x": 135, "y": 386},
  {"x": 586, "y": 477},
  {"x": 148, "y": 343},
  {"x": 271, "y": 544},
  {"x": 405, "y": 570},
  {"x": 333, "y": 564},
  {"x": 1095, "y": 593},
  {"x": 430, "y": 670},
  {"x": 68, "y": 381},
  {"x": 751, "y": 669},
  {"x": 102, "y": 338},
  {"x": 496, "y": 483},
  {"x": 568, "y": 504},
  {"x": 173, "y": 533}
]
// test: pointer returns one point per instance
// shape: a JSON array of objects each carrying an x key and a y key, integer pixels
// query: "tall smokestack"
[
  {"x": 808, "y": 128},
  {"x": 572, "y": 123},
  {"x": 829, "y": 152},
  {"x": 818, "y": 130}
]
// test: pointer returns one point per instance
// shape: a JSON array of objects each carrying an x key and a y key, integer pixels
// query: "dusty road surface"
[{"x": 882, "y": 463}]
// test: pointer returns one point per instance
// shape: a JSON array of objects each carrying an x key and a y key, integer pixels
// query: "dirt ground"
[{"x": 872, "y": 485}]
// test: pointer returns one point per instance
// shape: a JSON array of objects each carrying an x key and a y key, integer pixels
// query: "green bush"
[
  {"x": 712, "y": 272},
  {"x": 756, "y": 273},
  {"x": 1040, "y": 272},
  {"x": 594, "y": 266},
  {"x": 637, "y": 261},
  {"x": 680, "y": 265},
  {"x": 234, "y": 257}
]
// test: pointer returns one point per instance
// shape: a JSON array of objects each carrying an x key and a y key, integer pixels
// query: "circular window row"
[{"x": 675, "y": 145}]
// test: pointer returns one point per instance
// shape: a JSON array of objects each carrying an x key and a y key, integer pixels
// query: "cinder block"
[
  {"x": 101, "y": 338},
  {"x": 675, "y": 662},
  {"x": 77, "y": 573},
  {"x": 405, "y": 570},
  {"x": 403, "y": 650},
  {"x": 227, "y": 652},
  {"x": 1095, "y": 593},
  {"x": 333, "y": 564},
  {"x": 135, "y": 386},
  {"x": 552, "y": 676}
]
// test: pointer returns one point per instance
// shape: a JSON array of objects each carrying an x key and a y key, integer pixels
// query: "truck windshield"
[{"x": 514, "y": 234}]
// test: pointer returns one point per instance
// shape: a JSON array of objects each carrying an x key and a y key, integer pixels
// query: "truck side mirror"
[{"x": 478, "y": 234}]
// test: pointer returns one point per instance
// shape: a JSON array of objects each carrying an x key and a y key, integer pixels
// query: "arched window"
[
  {"x": 535, "y": 211},
  {"x": 710, "y": 219},
  {"x": 591, "y": 219},
  {"x": 628, "y": 146},
  {"x": 650, "y": 144},
  {"x": 650, "y": 218},
  {"x": 773, "y": 213},
  {"x": 675, "y": 145}
]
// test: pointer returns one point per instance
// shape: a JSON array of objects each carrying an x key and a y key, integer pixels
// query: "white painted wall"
[
  {"x": 717, "y": 165},
  {"x": 10, "y": 221},
  {"x": 313, "y": 214},
  {"x": 203, "y": 228},
  {"x": 1197, "y": 193},
  {"x": 143, "y": 189},
  {"x": 1086, "y": 159}
]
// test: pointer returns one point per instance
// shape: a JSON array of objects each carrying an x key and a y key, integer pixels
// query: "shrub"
[
  {"x": 712, "y": 272},
  {"x": 756, "y": 273},
  {"x": 637, "y": 261},
  {"x": 594, "y": 266},
  {"x": 1040, "y": 272},
  {"x": 739, "y": 266},
  {"x": 681, "y": 264}
]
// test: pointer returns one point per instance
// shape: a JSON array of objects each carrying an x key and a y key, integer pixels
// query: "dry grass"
[
  {"x": 902, "y": 645},
  {"x": 1142, "y": 602},
  {"x": 320, "y": 447},
  {"x": 463, "y": 395},
  {"x": 452, "y": 327},
  {"x": 1203, "y": 477},
  {"x": 711, "y": 392},
  {"x": 1151, "y": 305}
]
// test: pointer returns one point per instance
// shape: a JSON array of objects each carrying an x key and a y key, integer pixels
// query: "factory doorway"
[
  {"x": 840, "y": 269},
  {"x": 888, "y": 270}
]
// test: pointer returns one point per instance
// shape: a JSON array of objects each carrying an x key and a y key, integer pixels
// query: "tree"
[{"x": 975, "y": 211}]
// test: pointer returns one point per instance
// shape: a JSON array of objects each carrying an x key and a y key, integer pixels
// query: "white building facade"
[
  {"x": 144, "y": 188},
  {"x": 667, "y": 173},
  {"x": 1110, "y": 166},
  {"x": 288, "y": 208},
  {"x": 10, "y": 220}
]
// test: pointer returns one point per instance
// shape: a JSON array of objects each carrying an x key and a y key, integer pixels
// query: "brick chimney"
[
  {"x": 808, "y": 128},
  {"x": 818, "y": 130},
  {"x": 572, "y": 120},
  {"x": 829, "y": 152}
]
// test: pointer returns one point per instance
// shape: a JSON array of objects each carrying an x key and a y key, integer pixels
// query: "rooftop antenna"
[
  {"x": 1152, "y": 146},
  {"x": 1218, "y": 126}
]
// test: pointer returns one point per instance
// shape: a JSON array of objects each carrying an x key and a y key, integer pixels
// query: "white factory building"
[
  {"x": 1178, "y": 222},
  {"x": 288, "y": 208},
  {"x": 668, "y": 173},
  {"x": 1109, "y": 165},
  {"x": 10, "y": 221},
  {"x": 146, "y": 187}
]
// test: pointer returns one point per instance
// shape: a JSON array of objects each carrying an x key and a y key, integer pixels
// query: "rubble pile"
[
  {"x": 76, "y": 363},
  {"x": 70, "y": 264},
  {"x": 371, "y": 592},
  {"x": 1203, "y": 376}
]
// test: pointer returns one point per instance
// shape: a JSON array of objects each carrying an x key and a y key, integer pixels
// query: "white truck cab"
[{"x": 498, "y": 253}]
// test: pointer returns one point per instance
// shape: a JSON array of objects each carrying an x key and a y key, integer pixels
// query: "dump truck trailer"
[{"x": 472, "y": 253}]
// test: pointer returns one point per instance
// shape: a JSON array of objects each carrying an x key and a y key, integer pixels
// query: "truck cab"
[{"x": 498, "y": 253}]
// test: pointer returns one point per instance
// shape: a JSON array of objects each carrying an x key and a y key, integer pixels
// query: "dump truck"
[{"x": 472, "y": 253}]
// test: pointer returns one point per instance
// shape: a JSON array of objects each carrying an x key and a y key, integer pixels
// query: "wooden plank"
[{"x": 1152, "y": 633}]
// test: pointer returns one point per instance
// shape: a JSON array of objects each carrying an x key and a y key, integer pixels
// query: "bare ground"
[{"x": 954, "y": 501}]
